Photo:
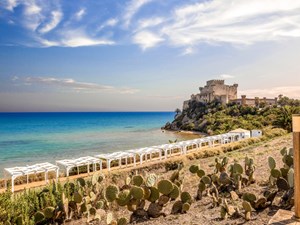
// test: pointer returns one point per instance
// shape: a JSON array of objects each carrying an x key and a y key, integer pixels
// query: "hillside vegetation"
[{"x": 215, "y": 118}]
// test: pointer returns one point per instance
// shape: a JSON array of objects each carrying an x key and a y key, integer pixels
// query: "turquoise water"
[{"x": 27, "y": 138}]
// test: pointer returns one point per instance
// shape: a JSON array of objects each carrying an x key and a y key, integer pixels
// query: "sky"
[{"x": 143, "y": 55}]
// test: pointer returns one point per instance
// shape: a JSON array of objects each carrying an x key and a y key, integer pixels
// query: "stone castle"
[{"x": 218, "y": 90}]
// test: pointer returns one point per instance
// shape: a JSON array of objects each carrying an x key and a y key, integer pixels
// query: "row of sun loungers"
[{"x": 122, "y": 157}]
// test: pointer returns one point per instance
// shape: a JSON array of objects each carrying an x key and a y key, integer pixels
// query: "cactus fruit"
[
  {"x": 137, "y": 180},
  {"x": 49, "y": 212},
  {"x": 39, "y": 216},
  {"x": 111, "y": 193},
  {"x": 154, "y": 194},
  {"x": 185, "y": 207},
  {"x": 81, "y": 182},
  {"x": 194, "y": 168},
  {"x": 186, "y": 197},
  {"x": 275, "y": 173},
  {"x": 77, "y": 197},
  {"x": 165, "y": 187},
  {"x": 177, "y": 207},
  {"x": 282, "y": 184},
  {"x": 151, "y": 180},
  {"x": 247, "y": 208},
  {"x": 290, "y": 177},
  {"x": 137, "y": 192},
  {"x": 122, "y": 221},
  {"x": 175, "y": 192},
  {"x": 123, "y": 197},
  {"x": 99, "y": 204},
  {"x": 272, "y": 162}
]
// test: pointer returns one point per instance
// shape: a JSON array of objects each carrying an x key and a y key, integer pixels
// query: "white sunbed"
[{"x": 29, "y": 170}]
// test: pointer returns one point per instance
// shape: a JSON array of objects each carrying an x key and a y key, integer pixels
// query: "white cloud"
[
  {"x": 109, "y": 23},
  {"x": 289, "y": 91},
  {"x": 226, "y": 76},
  {"x": 77, "y": 86},
  {"x": 55, "y": 20},
  {"x": 11, "y": 4},
  {"x": 234, "y": 22},
  {"x": 80, "y": 14},
  {"x": 146, "y": 39},
  {"x": 150, "y": 22},
  {"x": 132, "y": 8}
]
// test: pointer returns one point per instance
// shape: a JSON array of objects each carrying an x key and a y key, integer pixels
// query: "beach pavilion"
[
  {"x": 117, "y": 156},
  {"x": 145, "y": 152},
  {"x": 69, "y": 164},
  {"x": 15, "y": 172}
]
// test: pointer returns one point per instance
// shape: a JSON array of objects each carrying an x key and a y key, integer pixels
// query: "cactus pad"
[
  {"x": 185, "y": 207},
  {"x": 123, "y": 197},
  {"x": 275, "y": 173},
  {"x": 122, "y": 221},
  {"x": 272, "y": 162},
  {"x": 194, "y": 168},
  {"x": 137, "y": 192},
  {"x": 38, "y": 217},
  {"x": 206, "y": 180},
  {"x": 111, "y": 193},
  {"x": 77, "y": 197},
  {"x": 154, "y": 194},
  {"x": 165, "y": 187},
  {"x": 200, "y": 173},
  {"x": 282, "y": 184},
  {"x": 175, "y": 192},
  {"x": 186, "y": 197},
  {"x": 290, "y": 177},
  {"x": 151, "y": 180},
  {"x": 81, "y": 182},
  {"x": 246, "y": 205},
  {"x": 137, "y": 180},
  {"x": 177, "y": 207},
  {"x": 49, "y": 212}
]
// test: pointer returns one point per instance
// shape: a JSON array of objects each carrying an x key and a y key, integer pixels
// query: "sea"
[{"x": 28, "y": 138}]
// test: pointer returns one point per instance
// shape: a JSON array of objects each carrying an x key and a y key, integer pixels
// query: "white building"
[{"x": 242, "y": 132}]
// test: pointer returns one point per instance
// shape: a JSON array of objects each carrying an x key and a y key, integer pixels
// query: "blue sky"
[{"x": 143, "y": 55}]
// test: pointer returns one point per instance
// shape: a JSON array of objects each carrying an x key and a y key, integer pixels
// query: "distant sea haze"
[{"x": 27, "y": 138}]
